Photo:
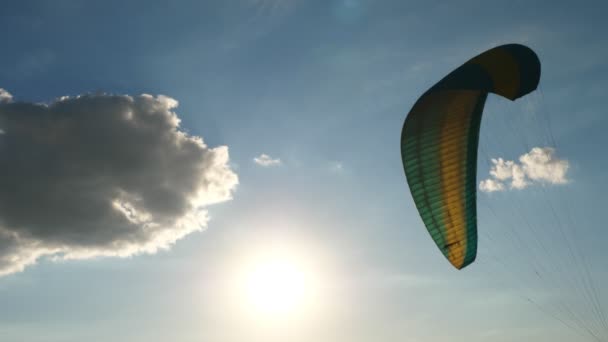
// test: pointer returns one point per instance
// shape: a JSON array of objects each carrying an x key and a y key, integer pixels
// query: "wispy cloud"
[
  {"x": 266, "y": 161},
  {"x": 102, "y": 175},
  {"x": 336, "y": 167},
  {"x": 539, "y": 166}
]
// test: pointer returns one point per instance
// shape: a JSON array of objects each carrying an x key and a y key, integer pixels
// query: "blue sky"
[{"x": 324, "y": 86}]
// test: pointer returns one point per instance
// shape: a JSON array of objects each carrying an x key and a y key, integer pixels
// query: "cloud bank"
[
  {"x": 266, "y": 161},
  {"x": 101, "y": 175},
  {"x": 539, "y": 166}
]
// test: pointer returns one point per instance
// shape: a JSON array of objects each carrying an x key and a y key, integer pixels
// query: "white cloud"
[
  {"x": 5, "y": 96},
  {"x": 490, "y": 185},
  {"x": 542, "y": 165},
  {"x": 539, "y": 166},
  {"x": 102, "y": 175},
  {"x": 265, "y": 160}
]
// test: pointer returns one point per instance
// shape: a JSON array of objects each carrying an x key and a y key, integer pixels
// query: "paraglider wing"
[{"x": 439, "y": 143}]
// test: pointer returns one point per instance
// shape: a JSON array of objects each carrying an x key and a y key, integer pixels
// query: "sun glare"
[{"x": 277, "y": 287}]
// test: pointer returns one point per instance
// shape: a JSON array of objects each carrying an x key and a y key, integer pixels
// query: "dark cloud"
[{"x": 101, "y": 175}]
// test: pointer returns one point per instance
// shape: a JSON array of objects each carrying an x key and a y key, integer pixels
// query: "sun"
[{"x": 277, "y": 287}]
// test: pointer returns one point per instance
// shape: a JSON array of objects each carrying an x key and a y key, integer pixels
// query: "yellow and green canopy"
[{"x": 439, "y": 143}]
